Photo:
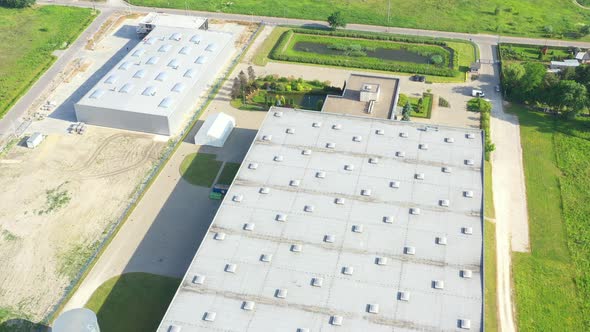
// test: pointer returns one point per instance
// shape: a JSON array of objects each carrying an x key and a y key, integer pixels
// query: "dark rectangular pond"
[{"x": 400, "y": 55}]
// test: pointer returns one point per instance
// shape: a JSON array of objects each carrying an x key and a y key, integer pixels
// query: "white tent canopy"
[{"x": 215, "y": 130}]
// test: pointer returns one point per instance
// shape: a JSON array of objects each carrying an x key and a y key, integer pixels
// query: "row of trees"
[
  {"x": 16, "y": 3},
  {"x": 563, "y": 92},
  {"x": 244, "y": 84}
]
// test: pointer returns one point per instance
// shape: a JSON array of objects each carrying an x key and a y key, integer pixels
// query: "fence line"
[{"x": 173, "y": 143}]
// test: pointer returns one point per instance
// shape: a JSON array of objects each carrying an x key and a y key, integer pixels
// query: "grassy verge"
[
  {"x": 517, "y": 52},
  {"x": 545, "y": 280},
  {"x": 132, "y": 301},
  {"x": 228, "y": 173},
  {"x": 45, "y": 29},
  {"x": 261, "y": 56},
  {"x": 491, "y": 298},
  {"x": 490, "y": 211},
  {"x": 200, "y": 169},
  {"x": 509, "y": 17},
  {"x": 427, "y": 100}
]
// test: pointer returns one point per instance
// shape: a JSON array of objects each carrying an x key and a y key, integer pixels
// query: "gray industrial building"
[
  {"x": 343, "y": 223},
  {"x": 157, "y": 84}
]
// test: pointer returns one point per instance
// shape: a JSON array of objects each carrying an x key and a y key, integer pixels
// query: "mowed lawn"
[
  {"x": 132, "y": 302},
  {"x": 200, "y": 169},
  {"x": 516, "y": 17},
  {"x": 552, "y": 283},
  {"x": 27, "y": 39}
]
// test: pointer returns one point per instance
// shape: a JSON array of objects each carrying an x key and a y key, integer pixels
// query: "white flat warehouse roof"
[
  {"x": 343, "y": 223},
  {"x": 179, "y": 21},
  {"x": 158, "y": 73}
]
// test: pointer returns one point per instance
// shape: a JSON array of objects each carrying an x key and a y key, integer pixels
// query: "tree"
[
  {"x": 243, "y": 79},
  {"x": 585, "y": 30},
  {"x": 406, "y": 111},
  {"x": 336, "y": 20},
  {"x": 532, "y": 79},
  {"x": 436, "y": 59},
  {"x": 236, "y": 88},
  {"x": 420, "y": 105},
  {"x": 251, "y": 74},
  {"x": 513, "y": 74},
  {"x": 16, "y": 3},
  {"x": 574, "y": 96}
]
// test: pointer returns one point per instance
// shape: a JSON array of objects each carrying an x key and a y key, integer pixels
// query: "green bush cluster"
[
  {"x": 16, "y": 3},
  {"x": 485, "y": 108},
  {"x": 443, "y": 102}
]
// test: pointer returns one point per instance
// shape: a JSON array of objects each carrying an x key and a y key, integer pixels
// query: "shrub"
[
  {"x": 479, "y": 105},
  {"x": 443, "y": 102}
]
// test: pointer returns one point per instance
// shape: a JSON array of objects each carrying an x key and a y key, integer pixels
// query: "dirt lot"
[{"x": 55, "y": 204}]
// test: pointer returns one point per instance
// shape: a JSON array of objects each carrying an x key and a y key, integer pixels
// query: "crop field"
[
  {"x": 552, "y": 283},
  {"x": 27, "y": 39},
  {"x": 508, "y": 17}
]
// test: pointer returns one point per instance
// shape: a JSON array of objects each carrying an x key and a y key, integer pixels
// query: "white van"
[{"x": 477, "y": 93}]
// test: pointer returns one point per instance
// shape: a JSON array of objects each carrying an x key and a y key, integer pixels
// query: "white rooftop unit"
[{"x": 215, "y": 130}]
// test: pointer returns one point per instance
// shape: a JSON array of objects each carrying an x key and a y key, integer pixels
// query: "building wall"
[{"x": 113, "y": 118}]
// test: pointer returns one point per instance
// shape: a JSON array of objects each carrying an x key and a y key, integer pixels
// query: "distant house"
[
  {"x": 558, "y": 65},
  {"x": 583, "y": 57},
  {"x": 475, "y": 67}
]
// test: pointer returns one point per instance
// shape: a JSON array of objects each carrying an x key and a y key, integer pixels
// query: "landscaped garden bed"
[
  {"x": 375, "y": 51},
  {"x": 517, "y": 52},
  {"x": 421, "y": 107}
]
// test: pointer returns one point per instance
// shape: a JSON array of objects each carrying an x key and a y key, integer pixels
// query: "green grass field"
[
  {"x": 515, "y": 17},
  {"x": 200, "y": 169},
  {"x": 261, "y": 56},
  {"x": 228, "y": 173},
  {"x": 27, "y": 39},
  {"x": 427, "y": 100},
  {"x": 551, "y": 285},
  {"x": 132, "y": 302},
  {"x": 515, "y": 52},
  {"x": 490, "y": 211},
  {"x": 491, "y": 299}
]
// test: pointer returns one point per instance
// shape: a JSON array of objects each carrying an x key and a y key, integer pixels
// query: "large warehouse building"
[
  {"x": 157, "y": 84},
  {"x": 343, "y": 223}
]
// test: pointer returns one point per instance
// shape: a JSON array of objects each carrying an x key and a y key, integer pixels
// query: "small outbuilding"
[
  {"x": 475, "y": 67},
  {"x": 34, "y": 140},
  {"x": 215, "y": 130}
]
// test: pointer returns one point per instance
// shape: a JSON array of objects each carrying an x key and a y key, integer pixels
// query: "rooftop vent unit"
[
  {"x": 264, "y": 190},
  {"x": 96, "y": 94},
  {"x": 438, "y": 284},
  {"x": 316, "y": 124},
  {"x": 149, "y": 91},
  {"x": 278, "y": 114},
  {"x": 126, "y": 88},
  {"x": 308, "y": 208},
  {"x": 112, "y": 79},
  {"x": 373, "y": 160},
  {"x": 294, "y": 183},
  {"x": 329, "y": 238},
  {"x": 176, "y": 36},
  {"x": 248, "y": 305},
  {"x": 281, "y": 217},
  {"x": 366, "y": 192},
  {"x": 381, "y": 260},
  {"x": 357, "y": 228},
  {"x": 211, "y": 47},
  {"x": 290, "y": 131},
  {"x": 467, "y": 230},
  {"x": 238, "y": 198},
  {"x": 162, "y": 76},
  {"x": 267, "y": 258},
  {"x": 306, "y": 152},
  {"x": 201, "y": 60},
  {"x": 441, "y": 240},
  {"x": 444, "y": 203},
  {"x": 139, "y": 52},
  {"x": 403, "y": 296},
  {"x": 415, "y": 211},
  {"x": 199, "y": 279},
  {"x": 278, "y": 158},
  {"x": 185, "y": 50},
  {"x": 253, "y": 165},
  {"x": 209, "y": 316},
  {"x": 394, "y": 184},
  {"x": 195, "y": 39},
  {"x": 174, "y": 64},
  {"x": 166, "y": 102},
  {"x": 320, "y": 175},
  {"x": 400, "y": 154},
  {"x": 464, "y": 323},
  {"x": 466, "y": 274},
  {"x": 388, "y": 220},
  {"x": 339, "y": 201},
  {"x": 419, "y": 176},
  {"x": 348, "y": 270},
  {"x": 178, "y": 87},
  {"x": 348, "y": 167},
  {"x": 336, "y": 320},
  {"x": 190, "y": 73},
  {"x": 468, "y": 194},
  {"x": 330, "y": 145},
  {"x": 317, "y": 282},
  {"x": 379, "y": 132},
  {"x": 373, "y": 308},
  {"x": 296, "y": 248},
  {"x": 219, "y": 236},
  {"x": 303, "y": 329},
  {"x": 281, "y": 293},
  {"x": 470, "y": 136},
  {"x": 337, "y": 126},
  {"x": 267, "y": 138},
  {"x": 423, "y": 146},
  {"x": 125, "y": 65},
  {"x": 403, "y": 135},
  {"x": 164, "y": 48},
  {"x": 153, "y": 60},
  {"x": 447, "y": 170},
  {"x": 408, "y": 250},
  {"x": 469, "y": 162},
  {"x": 450, "y": 140},
  {"x": 357, "y": 138},
  {"x": 249, "y": 226},
  {"x": 230, "y": 268}
]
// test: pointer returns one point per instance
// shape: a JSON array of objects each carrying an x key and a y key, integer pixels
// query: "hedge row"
[
  {"x": 371, "y": 35},
  {"x": 277, "y": 54},
  {"x": 485, "y": 126}
]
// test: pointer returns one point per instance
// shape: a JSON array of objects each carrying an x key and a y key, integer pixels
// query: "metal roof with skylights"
[{"x": 328, "y": 226}]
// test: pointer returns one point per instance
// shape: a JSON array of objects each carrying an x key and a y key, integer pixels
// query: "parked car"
[
  {"x": 497, "y": 88},
  {"x": 418, "y": 78}
]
